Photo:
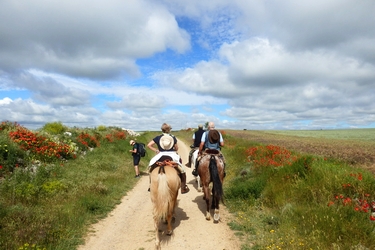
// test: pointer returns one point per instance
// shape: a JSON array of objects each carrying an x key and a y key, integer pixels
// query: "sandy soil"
[{"x": 130, "y": 225}]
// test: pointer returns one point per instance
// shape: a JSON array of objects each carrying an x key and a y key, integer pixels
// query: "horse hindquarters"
[{"x": 165, "y": 184}]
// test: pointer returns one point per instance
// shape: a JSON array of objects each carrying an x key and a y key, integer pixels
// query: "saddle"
[
  {"x": 164, "y": 161},
  {"x": 211, "y": 151}
]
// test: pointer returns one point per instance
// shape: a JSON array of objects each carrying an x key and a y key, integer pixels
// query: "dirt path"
[{"x": 130, "y": 225}]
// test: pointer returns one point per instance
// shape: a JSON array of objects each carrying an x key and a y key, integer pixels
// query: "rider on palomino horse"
[
  {"x": 211, "y": 141},
  {"x": 167, "y": 149}
]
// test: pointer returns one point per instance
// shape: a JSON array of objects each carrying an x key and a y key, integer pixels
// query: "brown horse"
[
  {"x": 211, "y": 169},
  {"x": 165, "y": 183}
]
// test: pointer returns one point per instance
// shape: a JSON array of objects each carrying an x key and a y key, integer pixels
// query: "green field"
[{"x": 285, "y": 189}]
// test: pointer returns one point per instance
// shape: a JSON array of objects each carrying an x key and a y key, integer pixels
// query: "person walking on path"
[{"x": 136, "y": 157}]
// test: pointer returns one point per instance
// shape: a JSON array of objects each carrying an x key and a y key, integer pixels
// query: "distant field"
[
  {"x": 354, "y": 146},
  {"x": 348, "y": 134}
]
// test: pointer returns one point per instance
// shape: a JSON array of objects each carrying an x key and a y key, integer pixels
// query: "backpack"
[{"x": 141, "y": 150}]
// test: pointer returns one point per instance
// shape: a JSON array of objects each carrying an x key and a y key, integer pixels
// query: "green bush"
[
  {"x": 101, "y": 128},
  {"x": 11, "y": 155},
  {"x": 54, "y": 128}
]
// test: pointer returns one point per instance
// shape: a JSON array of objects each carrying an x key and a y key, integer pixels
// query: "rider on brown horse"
[{"x": 211, "y": 140}]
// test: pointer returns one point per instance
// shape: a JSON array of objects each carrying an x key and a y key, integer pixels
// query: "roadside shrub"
[
  {"x": 87, "y": 141},
  {"x": 42, "y": 148},
  {"x": 6, "y": 126},
  {"x": 101, "y": 128},
  {"x": 54, "y": 128},
  {"x": 11, "y": 155}
]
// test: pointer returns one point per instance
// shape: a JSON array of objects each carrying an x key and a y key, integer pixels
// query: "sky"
[{"x": 135, "y": 64}]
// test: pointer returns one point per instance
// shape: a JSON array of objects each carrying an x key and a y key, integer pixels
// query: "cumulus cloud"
[
  {"x": 242, "y": 64},
  {"x": 101, "y": 42}
]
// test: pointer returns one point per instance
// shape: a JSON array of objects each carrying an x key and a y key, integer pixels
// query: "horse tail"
[
  {"x": 217, "y": 189},
  {"x": 163, "y": 199}
]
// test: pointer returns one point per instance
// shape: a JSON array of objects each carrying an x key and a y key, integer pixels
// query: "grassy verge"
[
  {"x": 51, "y": 205},
  {"x": 285, "y": 199}
]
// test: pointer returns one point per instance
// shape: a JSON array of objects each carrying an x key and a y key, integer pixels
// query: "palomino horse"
[
  {"x": 165, "y": 183},
  {"x": 211, "y": 169}
]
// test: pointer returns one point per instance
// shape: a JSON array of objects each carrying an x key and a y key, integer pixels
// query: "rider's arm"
[
  {"x": 151, "y": 144},
  {"x": 201, "y": 147}
]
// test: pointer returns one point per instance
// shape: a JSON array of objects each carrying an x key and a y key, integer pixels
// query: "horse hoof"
[
  {"x": 208, "y": 217},
  {"x": 157, "y": 247},
  {"x": 216, "y": 218}
]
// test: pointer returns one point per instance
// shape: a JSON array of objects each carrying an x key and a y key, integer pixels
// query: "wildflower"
[{"x": 359, "y": 176}]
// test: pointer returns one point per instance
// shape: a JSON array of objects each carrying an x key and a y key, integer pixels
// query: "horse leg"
[
  {"x": 206, "y": 197},
  {"x": 169, "y": 224},
  {"x": 215, "y": 206},
  {"x": 157, "y": 237},
  {"x": 213, "y": 203},
  {"x": 170, "y": 216},
  {"x": 199, "y": 184}
]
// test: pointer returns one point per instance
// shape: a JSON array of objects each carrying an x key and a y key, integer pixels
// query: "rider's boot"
[
  {"x": 184, "y": 187},
  {"x": 195, "y": 171},
  {"x": 189, "y": 163},
  {"x": 189, "y": 160}
]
